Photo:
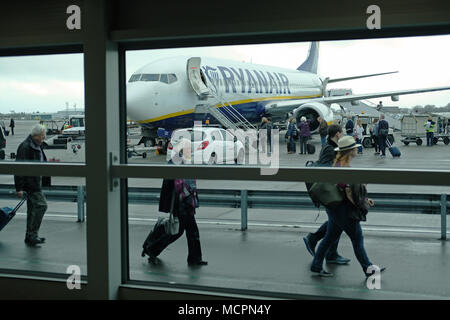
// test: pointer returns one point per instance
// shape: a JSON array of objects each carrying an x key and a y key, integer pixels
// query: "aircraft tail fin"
[{"x": 312, "y": 61}]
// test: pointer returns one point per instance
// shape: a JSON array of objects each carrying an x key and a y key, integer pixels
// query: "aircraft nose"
[{"x": 136, "y": 102}]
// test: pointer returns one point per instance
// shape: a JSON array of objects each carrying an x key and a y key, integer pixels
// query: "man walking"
[
  {"x": 429, "y": 128},
  {"x": 326, "y": 159},
  {"x": 12, "y": 125},
  {"x": 383, "y": 131},
  {"x": 31, "y": 150},
  {"x": 349, "y": 126}
]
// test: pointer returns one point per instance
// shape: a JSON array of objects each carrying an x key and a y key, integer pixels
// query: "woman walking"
[
  {"x": 305, "y": 133},
  {"x": 359, "y": 135},
  {"x": 341, "y": 218}
]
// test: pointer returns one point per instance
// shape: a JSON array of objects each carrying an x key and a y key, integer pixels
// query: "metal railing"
[{"x": 245, "y": 199}]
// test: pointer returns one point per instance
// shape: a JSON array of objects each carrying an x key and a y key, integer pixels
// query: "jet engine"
[{"x": 312, "y": 111}]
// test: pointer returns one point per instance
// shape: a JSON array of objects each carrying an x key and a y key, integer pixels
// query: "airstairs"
[{"x": 228, "y": 116}]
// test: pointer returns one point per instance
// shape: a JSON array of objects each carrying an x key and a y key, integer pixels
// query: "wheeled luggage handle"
[{"x": 24, "y": 198}]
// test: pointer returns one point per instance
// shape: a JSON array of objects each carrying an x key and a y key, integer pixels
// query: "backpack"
[
  {"x": 359, "y": 194},
  {"x": 308, "y": 185},
  {"x": 188, "y": 195}
]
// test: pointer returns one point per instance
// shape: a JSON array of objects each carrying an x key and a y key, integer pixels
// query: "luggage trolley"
[{"x": 413, "y": 130}]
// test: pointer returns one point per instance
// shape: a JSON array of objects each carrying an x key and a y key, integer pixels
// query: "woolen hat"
[{"x": 346, "y": 143}]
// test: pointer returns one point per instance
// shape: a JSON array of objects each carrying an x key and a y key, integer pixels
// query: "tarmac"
[{"x": 270, "y": 256}]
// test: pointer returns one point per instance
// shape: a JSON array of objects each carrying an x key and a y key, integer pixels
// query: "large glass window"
[
  {"x": 46, "y": 90},
  {"x": 251, "y": 232}
]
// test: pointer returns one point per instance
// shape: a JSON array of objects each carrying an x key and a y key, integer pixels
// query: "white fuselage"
[{"x": 248, "y": 87}]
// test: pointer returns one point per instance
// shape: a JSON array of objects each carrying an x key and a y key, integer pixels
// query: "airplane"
[{"x": 167, "y": 94}]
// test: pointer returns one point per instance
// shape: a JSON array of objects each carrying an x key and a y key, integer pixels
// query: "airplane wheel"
[
  {"x": 144, "y": 155},
  {"x": 435, "y": 140},
  {"x": 446, "y": 140},
  {"x": 419, "y": 142}
]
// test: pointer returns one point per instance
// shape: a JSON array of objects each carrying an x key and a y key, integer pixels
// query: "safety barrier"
[{"x": 245, "y": 199}]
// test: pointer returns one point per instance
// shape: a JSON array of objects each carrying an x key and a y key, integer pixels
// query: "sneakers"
[
  {"x": 310, "y": 243},
  {"x": 321, "y": 273},
  {"x": 338, "y": 260}
]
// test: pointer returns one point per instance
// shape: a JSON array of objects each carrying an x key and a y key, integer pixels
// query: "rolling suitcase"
[
  {"x": 7, "y": 213},
  {"x": 310, "y": 148},
  {"x": 395, "y": 152},
  {"x": 157, "y": 240}
]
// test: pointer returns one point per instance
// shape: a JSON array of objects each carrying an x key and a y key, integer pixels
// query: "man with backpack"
[{"x": 326, "y": 159}]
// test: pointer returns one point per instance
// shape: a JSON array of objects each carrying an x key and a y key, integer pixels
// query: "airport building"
[{"x": 99, "y": 257}]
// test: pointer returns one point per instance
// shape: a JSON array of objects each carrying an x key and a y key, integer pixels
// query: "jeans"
[
  {"x": 320, "y": 234},
  {"x": 323, "y": 140},
  {"x": 360, "y": 149},
  {"x": 292, "y": 144},
  {"x": 382, "y": 144},
  {"x": 338, "y": 221},
  {"x": 430, "y": 136}
]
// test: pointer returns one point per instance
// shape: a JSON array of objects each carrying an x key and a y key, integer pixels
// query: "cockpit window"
[
  {"x": 150, "y": 77},
  {"x": 135, "y": 77},
  {"x": 164, "y": 78},
  {"x": 172, "y": 78}
]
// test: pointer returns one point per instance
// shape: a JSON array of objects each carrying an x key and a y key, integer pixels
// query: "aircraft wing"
[{"x": 289, "y": 105}]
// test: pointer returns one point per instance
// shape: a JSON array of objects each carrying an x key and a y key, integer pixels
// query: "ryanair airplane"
[{"x": 168, "y": 93}]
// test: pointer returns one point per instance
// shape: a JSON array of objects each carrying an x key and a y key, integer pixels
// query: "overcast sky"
[{"x": 46, "y": 83}]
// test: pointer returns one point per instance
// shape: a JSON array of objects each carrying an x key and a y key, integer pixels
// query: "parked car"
[{"x": 210, "y": 145}]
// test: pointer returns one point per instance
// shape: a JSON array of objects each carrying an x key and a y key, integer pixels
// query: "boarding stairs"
[{"x": 212, "y": 101}]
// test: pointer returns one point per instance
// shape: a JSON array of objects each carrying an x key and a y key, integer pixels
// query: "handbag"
[
  {"x": 328, "y": 194},
  {"x": 172, "y": 224}
]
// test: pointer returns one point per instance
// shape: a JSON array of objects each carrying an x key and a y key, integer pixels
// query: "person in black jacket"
[
  {"x": 326, "y": 159},
  {"x": 31, "y": 150},
  {"x": 12, "y": 125},
  {"x": 349, "y": 126},
  {"x": 184, "y": 205}
]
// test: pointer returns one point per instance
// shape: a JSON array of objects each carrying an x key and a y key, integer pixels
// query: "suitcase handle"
[{"x": 24, "y": 198}]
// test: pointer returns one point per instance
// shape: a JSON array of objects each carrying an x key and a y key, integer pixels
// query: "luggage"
[
  {"x": 395, "y": 152},
  {"x": 310, "y": 148},
  {"x": 158, "y": 239},
  {"x": 7, "y": 213}
]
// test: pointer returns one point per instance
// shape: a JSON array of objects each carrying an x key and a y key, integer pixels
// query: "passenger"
[
  {"x": 323, "y": 131},
  {"x": 185, "y": 203},
  {"x": 31, "y": 150},
  {"x": 292, "y": 135},
  {"x": 359, "y": 135},
  {"x": 266, "y": 124},
  {"x": 12, "y": 125},
  {"x": 326, "y": 159},
  {"x": 383, "y": 131},
  {"x": 429, "y": 127},
  {"x": 304, "y": 133},
  {"x": 339, "y": 219},
  {"x": 349, "y": 126},
  {"x": 374, "y": 136}
]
